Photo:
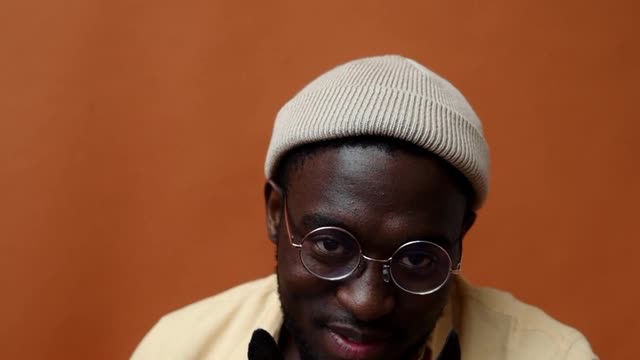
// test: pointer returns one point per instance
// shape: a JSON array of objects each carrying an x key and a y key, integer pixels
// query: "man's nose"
[{"x": 365, "y": 294}]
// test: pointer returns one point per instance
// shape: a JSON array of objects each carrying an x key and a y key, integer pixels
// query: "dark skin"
[{"x": 385, "y": 199}]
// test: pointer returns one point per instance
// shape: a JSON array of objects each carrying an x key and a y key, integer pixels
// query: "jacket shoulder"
[
  {"x": 531, "y": 333},
  {"x": 214, "y": 327}
]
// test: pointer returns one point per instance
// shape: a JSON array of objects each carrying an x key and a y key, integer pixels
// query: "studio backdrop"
[{"x": 133, "y": 136}]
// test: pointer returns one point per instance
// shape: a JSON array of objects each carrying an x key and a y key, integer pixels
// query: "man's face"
[{"x": 385, "y": 200}]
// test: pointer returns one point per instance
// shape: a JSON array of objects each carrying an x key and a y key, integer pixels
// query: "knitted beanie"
[{"x": 389, "y": 96}]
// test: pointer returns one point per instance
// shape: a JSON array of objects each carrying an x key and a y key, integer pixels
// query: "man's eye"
[
  {"x": 329, "y": 246},
  {"x": 416, "y": 261}
]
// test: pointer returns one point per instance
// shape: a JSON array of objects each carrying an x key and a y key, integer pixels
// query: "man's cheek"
[
  {"x": 292, "y": 274},
  {"x": 427, "y": 307}
]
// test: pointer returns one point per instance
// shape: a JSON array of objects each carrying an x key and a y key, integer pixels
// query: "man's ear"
[
  {"x": 467, "y": 223},
  {"x": 469, "y": 220},
  {"x": 273, "y": 198}
]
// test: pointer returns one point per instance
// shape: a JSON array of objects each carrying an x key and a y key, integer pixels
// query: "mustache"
[{"x": 344, "y": 318}]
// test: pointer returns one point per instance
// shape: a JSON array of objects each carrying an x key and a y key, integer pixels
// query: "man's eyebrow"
[
  {"x": 313, "y": 221},
  {"x": 441, "y": 240}
]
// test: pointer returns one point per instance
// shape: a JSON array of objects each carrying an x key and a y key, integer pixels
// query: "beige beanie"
[{"x": 386, "y": 96}]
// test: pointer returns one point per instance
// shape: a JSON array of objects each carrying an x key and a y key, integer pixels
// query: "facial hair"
[
  {"x": 296, "y": 335},
  {"x": 291, "y": 330}
]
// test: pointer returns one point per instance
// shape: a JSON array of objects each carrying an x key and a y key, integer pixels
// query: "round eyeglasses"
[{"x": 332, "y": 253}]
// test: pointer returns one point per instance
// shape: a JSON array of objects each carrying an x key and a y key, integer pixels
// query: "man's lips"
[
  {"x": 359, "y": 335},
  {"x": 348, "y": 342}
]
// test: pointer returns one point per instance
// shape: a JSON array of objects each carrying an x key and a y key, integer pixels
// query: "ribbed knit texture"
[{"x": 386, "y": 96}]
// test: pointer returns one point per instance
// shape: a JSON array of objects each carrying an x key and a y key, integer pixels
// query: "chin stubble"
[{"x": 292, "y": 331}]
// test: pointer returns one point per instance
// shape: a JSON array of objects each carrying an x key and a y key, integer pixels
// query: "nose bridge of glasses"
[
  {"x": 386, "y": 274},
  {"x": 381, "y": 261}
]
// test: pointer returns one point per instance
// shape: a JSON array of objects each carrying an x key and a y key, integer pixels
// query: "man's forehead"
[{"x": 373, "y": 173}]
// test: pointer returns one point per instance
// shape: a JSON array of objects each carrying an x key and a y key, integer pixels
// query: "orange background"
[{"x": 133, "y": 134}]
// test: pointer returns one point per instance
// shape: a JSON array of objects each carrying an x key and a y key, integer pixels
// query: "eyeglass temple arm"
[
  {"x": 278, "y": 189},
  {"x": 286, "y": 224},
  {"x": 458, "y": 268}
]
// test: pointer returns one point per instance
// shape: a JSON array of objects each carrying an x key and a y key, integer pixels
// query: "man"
[{"x": 375, "y": 172}]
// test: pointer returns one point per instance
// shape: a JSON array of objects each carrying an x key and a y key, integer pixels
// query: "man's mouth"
[{"x": 348, "y": 342}]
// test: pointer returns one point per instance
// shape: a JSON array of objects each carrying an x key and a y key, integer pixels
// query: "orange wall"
[{"x": 132, "y": 138}]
